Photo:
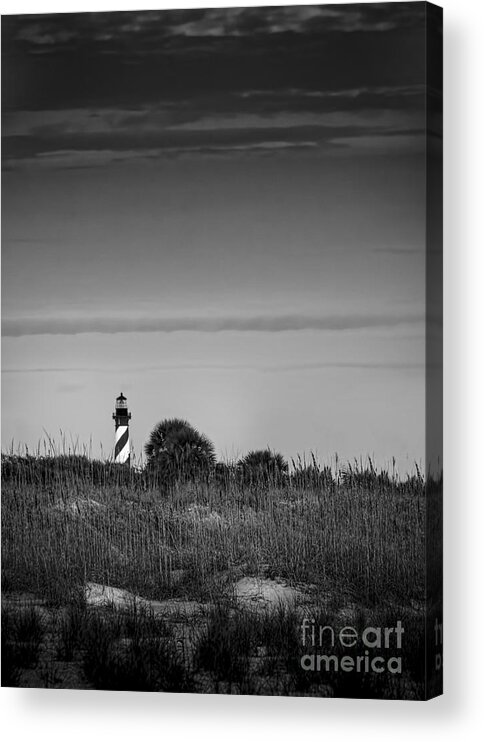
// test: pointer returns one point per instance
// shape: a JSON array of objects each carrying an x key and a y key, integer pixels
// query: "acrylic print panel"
[{"x": 222, "y": 354}]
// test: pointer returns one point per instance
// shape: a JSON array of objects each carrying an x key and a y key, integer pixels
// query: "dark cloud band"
[
  {"x": 277, "y": 323},
  {"x": 91, "y": 59}
]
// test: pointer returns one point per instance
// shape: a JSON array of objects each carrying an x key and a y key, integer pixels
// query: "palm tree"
[
  {"x": 176, "y": 450},
  {"x": 265, "y": 465}
]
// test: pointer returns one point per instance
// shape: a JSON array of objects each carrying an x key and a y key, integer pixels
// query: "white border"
[{"x": 52, "y": 715}]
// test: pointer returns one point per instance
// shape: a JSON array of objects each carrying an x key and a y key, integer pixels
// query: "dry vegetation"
[{"x": 352, "y": 544}]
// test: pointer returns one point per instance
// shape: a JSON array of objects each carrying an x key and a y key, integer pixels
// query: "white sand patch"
[
  {"x": 106, "y": 595},
  {"x": 264, "y": 594}
]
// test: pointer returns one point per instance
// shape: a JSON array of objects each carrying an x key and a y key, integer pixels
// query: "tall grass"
[
  {"x": 62, "y": 527},
  {"x": 132, "y": 651},
  {"x": 243, "y": 647},
  {"x": 22, "y": 635},
  {"x": 356, "y": 534}
]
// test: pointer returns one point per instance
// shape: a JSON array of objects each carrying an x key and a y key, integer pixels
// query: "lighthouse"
[{"x": 121, "y": 418}]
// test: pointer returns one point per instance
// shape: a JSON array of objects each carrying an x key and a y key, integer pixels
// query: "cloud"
[
  {"x": 118, "y": 31},
  {"x": 18, "y": 327},
  {"x": 382, "y": 107},
  {"x": 80, "y": 159},
  {"x": 388, "y": 143},
  {"x": 58, "y": 145},
  {"x": 197, "y": 367},
  {"x": 61, "y": 61},
  {"x": 387, "y": 365}
]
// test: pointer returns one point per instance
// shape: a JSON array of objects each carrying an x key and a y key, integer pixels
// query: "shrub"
[
  {"x": 177, "y": 451},
  {"x": 264, "y": 466}
]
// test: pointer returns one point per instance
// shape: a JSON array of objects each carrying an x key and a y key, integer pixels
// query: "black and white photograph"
[{"x": 222, "y": 461}]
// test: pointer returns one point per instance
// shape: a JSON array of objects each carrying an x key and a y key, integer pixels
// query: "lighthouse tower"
[{"x": 121, "y": 418}]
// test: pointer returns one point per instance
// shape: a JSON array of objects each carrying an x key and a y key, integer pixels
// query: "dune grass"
[
  {"x": 356, "y": 537},
  {"x": 61, "y": 531}
]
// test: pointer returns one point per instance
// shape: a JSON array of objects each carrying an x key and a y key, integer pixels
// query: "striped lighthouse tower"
[{"x": 121, "y": 418}]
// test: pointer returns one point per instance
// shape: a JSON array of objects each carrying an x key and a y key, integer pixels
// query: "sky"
[{"x": 220, "y": 213}]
